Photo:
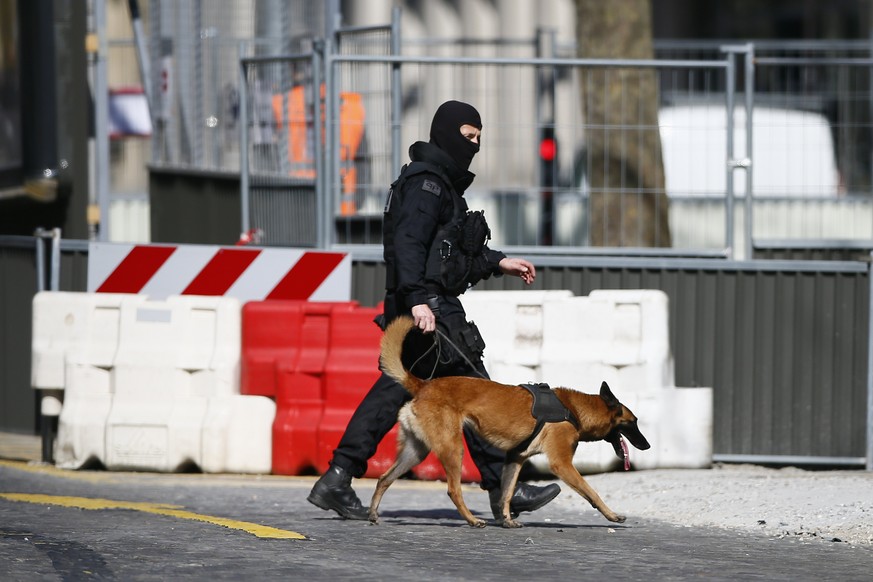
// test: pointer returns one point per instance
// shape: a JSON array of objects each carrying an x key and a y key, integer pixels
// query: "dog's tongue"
[{"x": 625, "y": 453}]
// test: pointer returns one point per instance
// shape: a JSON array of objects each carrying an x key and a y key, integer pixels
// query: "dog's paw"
[
  {"x": 374, "y": 519},
  {"x": 619, "y": 519},
  {"x": 477, "y": 523},
  {"x": 510, "y": 523}
]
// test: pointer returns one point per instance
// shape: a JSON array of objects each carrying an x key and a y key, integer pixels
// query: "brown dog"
[{"x": 502, "y": 415}]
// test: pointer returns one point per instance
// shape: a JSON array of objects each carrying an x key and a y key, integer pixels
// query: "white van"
[{"x": 792, "y": 152}]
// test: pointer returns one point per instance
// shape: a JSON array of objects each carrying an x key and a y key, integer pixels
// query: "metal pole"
[
  {"x": 749, "y": 83},
  {"x": 39, "y": 234},
  {"x": 729, "y": 194},
  {"x": 142, "y": 56},
  {"x": 332, "y": 147},
  {"x": 869, "y": 455},
  {"x": 332, "y": 18},
  {"x": 244, "y": 143},
  {"x": 396, "y": 92},
  {"x": 55, "y": 273},
  {"x": 321, "y": 207},
  {"x": 746, "y": 162},
  {"x": 101, "y": 120}
]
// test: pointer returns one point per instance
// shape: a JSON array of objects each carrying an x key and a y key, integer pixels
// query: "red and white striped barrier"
[{"x": 248, "y": 274}]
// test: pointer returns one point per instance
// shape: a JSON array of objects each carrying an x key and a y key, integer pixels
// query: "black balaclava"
[{"x": 445, "y": 131}]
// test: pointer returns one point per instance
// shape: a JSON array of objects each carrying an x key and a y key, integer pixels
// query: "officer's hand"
[
  {"x": 519, "y": 268},
  {"x": 424, "y": 318}
]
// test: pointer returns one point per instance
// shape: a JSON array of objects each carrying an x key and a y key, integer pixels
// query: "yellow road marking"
[{"x": 261, "y": 531}]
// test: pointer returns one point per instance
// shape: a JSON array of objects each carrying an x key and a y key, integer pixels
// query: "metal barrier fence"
[
  {"x": 195, "y": 50},
  {"x": 785, "y": 344},
  {"x": 510, "y": 184},
  {"x": 284, "y": 104},
  {"x": 804, "y": 183},
  {"x": 805, "y": 155},
  {"x": 280, "y": 159}
]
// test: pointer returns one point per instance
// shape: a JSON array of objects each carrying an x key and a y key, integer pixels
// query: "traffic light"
[{"x": 548, "y": 152}]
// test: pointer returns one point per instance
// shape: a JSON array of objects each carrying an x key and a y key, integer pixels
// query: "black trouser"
[{"x": 377, "y": 414}]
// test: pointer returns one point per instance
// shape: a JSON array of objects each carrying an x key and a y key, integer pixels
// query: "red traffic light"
[{"x": 548, "y": 149}]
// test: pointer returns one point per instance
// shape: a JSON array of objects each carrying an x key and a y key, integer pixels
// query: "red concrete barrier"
[
  {"x": 271, "y": 333},
  {"x": 318, "y": 360},
  {"x": 351, "y": 368}
]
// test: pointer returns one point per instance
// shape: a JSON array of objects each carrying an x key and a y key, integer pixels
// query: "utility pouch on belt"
[{"x": 470, "y": 340}]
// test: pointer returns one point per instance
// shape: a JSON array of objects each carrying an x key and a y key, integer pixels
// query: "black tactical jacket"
[{"x": 425, "y": 201}]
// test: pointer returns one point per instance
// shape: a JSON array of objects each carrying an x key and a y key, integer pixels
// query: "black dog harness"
[{"x": 546, "y": 408}]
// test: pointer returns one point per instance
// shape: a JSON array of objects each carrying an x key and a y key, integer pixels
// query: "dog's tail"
[{"x": 392, "y": 349}]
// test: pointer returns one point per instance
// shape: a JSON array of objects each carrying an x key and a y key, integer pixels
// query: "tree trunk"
[{"x": 629, "y": 205}]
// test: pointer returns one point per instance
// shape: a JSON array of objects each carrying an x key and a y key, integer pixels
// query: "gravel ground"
[{"x": 832, "y": 506}]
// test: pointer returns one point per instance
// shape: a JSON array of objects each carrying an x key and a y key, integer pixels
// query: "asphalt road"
[{"x": 62, "y": 525}]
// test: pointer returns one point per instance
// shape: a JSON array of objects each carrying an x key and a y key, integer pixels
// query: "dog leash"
[{"x": 438, "y": 338}]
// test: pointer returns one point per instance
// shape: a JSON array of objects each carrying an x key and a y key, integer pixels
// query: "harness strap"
[{"x": 546, "y": 407}]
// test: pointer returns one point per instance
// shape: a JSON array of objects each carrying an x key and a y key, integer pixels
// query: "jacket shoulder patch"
[{"x": 432, "y": 187}]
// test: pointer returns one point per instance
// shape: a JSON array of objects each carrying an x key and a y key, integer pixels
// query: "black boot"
[
  {"x": 333, "y": 490},
  {"x": 525, "y": 498}
]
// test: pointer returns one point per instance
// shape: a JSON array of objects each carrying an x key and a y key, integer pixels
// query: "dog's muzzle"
[{"x": 633, "y": 434}]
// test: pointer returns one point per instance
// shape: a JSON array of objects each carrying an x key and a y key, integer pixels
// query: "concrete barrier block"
[
  {"x": 511, "y": 322},
  {"x": 63, "y": 321},
  {"x": 155, "y": 434},
  {"x": 621, "y": 335},
  {"x": 685, "y": 437},
  {"x": 210, "y": 342},
  {"x": 174, "y": 356},
  {"x": 81, "y": 438},
  {"x": 184, "y": 346},
  {"x": 237, "y": 435},
  {"x": 641, "y": 335}
]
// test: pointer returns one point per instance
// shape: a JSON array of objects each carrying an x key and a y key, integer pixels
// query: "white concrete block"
[
  {"x": 511, "y": 323},
  {"x": 211, "y": 342},
  {"x": 174, "y": 358},
  {"x": 81, "y": 437},
  {"x": 62, "y": 321},
  {"x": 237, "y": 435},
  {"x": 184, "y": 346},
  {"x": 685, "y": 436},
  {"x": 642, "y": 332},
  {"x": 154, "y": 434},
  {"x": 623, "y": 335}
]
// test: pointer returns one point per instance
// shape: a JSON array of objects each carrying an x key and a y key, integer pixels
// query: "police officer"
[{"x": 425, "y": 199}]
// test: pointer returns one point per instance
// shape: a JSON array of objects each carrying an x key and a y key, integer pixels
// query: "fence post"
[
  {"x": 332, "y": 141},
  {"x": 38, "y": 235},
  {"x": 101, "y": 120},
  {"x": 322, "y": 208},
  {"x": 50, "y": 400},
  {"x": 869, "y": 456},
  {"x": 729, "y": 194},
  {"x": 396, "y": 92},
  {"x": 244, "y": 143},
  {"x": 749, "y": 88},
  {"x": 55, "y": 273},
  {"x": 745, "y": 163}
]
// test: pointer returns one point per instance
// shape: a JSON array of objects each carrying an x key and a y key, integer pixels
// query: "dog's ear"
[{"x": 608, "y": 397}]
